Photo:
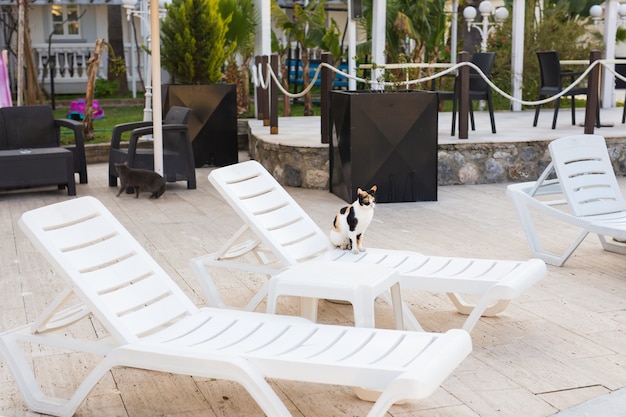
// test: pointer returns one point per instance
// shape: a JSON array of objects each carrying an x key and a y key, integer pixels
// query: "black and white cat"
[
  {"x": 351, "y": 221},
  {"x": 141, "y": 180}
]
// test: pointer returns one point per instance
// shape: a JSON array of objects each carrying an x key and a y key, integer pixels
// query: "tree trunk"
[
  {"x": 92, "y": 71},
  {"x": 32, "y": 94},
  {"x": 308, "y": 103},
  {"x": 117, "y": 64},
  {"x": 285, "y": 81}
]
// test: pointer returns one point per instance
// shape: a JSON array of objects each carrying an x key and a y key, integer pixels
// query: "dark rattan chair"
[
  {"x": 478, "y": 89},
  {"x": 178, "y": 161},
  {"x": 552, "y": 83}
]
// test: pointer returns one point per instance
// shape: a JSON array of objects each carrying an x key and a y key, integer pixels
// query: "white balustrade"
[{"x": 70, "y": 65}]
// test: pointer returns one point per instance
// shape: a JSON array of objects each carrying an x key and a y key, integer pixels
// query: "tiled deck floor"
[{"x": 560, "y": 344}]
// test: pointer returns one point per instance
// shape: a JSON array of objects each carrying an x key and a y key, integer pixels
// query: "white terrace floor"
[
  {"x": 510, "y": 127},
  {"x": 561, "y": 344}
]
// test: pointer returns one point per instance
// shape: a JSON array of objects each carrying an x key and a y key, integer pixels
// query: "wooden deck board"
[{"x": 561, "y": 343}]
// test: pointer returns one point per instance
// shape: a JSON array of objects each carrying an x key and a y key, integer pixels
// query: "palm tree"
[
  {"x": 307, "y": 27},
  {"x": 281, "y": 47},
  {"x": 241, "y": 31}
]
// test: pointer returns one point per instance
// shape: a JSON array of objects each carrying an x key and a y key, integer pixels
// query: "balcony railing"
[{"x": 67, "y": 63}]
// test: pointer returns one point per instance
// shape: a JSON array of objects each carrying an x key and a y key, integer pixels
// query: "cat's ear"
[
  {"x": 359, "y": 191},
  {"x": 373, "y": 189}
]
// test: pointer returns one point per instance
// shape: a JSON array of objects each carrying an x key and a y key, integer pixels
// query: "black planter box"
[
  {"x": 213, "y": 121},
  {"x": 385, "y": 139}
]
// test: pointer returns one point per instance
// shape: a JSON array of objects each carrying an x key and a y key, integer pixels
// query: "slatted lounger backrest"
[{"x": 108, "y": 269}]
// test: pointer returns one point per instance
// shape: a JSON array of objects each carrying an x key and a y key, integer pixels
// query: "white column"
[
  {"x": 157, "y": 111},
  {"x": 607, "y": 88},
  {"x": 351, "y": 48},
  {"x": 263, "y": 37},
  {"x": 517, "y": 52},
  {"x": 379, "y": 13},
  {"x": 454, "y": 35},
  {"x": 20, "y": 53}
]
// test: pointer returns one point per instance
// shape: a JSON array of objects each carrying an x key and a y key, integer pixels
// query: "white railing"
[{"x": 69, "y": 67}]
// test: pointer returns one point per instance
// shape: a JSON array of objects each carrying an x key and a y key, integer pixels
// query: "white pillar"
[
  {"x": 351, "y": 48},
  {"x": 607, "y": 88},
  {"x": 454, "y": 35},
  {"x": 263, "y": 36},
  {"x": 20, "y": 53},
  {"x": 517, "y": 52},
  {"x": 157, "y": 111},
  {"x": 379, "y": 14}
]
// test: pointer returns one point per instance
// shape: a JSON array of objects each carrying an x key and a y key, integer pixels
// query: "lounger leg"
[
  {"x": 532, "y": 235},
  {"x": 409, "y": 320},
  {"x": 258, "y": 297},
  {"x": 464, "y": 307},
  {"x": 611, "y": 245},
  {"x": 30, "y": 388}
]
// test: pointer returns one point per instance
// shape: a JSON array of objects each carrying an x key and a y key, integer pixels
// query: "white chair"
[
  {"x": 283, "y": 235},
  {"x": 149, "y": 323},
  {"x": 578, "y": 188}
]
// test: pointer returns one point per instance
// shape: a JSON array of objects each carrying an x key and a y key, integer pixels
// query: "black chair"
[
  {"x": 36, "y": 127},
  {"x": 478, "y": 89},
  {"x": 552, "y": 83},
  {"x": 446, "y": 95},
  {"x": 178, "y": 161}
]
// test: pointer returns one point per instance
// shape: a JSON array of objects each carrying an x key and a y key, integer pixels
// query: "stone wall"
[
  {"x": 486, "y": 163},
  {"x": 459, "y": 163},
  {"x": 306, "y": 167}
]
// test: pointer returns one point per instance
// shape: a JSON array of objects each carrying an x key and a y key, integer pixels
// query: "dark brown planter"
[
  {"x": 213, "y": 122},
  {"x": 384, "y": 139}
]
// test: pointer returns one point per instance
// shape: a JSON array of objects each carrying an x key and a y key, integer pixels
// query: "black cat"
[{"x": 141, "y": 180}]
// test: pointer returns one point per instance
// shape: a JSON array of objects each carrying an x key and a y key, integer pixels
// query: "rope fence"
[
  {"x": 264, "y": 81},
  {"x": 258, "y": 80}
]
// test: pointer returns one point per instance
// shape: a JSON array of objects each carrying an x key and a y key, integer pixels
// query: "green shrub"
[
  {"x": 193, "y": 41},
  {"x": 106, "y": 88}
]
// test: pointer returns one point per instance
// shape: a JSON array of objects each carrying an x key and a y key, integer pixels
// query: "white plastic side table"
[{"x": 358, "y": 284}]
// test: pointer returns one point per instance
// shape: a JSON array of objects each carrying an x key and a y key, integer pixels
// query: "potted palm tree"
[{"x": 194, "y": 48}]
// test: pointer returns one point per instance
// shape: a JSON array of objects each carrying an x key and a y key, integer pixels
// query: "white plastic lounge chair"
[
  {"x": 153, "y": 325},
  {"x": 584, "y": 194},
  {"x": 284, "y": 235}
]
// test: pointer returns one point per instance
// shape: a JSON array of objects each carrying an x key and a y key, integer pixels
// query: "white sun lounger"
[
  {"x": 151, "y": 324},
  {"x": 584, "y": 193},
  {"x": 280, "y": 234}
]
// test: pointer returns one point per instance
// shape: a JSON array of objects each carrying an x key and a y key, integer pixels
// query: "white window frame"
[{"x": 66, "y": 23}]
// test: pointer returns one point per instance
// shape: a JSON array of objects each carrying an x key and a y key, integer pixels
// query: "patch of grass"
[{"x": 103, "y": 128}]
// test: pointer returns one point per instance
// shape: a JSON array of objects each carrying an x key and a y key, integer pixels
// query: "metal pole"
[
  {"x": 517, "y": 52},
  {"x": 156, "y": 86},
  {"x": 20, "y": 52}
]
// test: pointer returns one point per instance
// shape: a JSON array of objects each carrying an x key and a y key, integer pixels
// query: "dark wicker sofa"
[{"x": 31, "y": 153}]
